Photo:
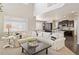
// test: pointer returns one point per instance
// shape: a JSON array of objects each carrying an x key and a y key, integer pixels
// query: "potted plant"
[{"x": 32, "y": 42}]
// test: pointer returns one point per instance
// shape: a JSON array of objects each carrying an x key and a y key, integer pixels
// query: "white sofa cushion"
[
  {"x": 58, "y": 44},
  {"x": 46, "y": 35},
  {"x": 40, "y": 34},
  {"x": 58, "y": 34},
  {"x": 33, "y": 34}
]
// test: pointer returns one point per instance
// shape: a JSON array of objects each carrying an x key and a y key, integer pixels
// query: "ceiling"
[
  {"x": 18, "y": 9},
  {"x": 67, "y": 10}
]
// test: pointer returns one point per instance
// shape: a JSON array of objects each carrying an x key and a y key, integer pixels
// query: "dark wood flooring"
[
  {"x": 77, "y": 52},
  {"x": 69, "y": 42}
]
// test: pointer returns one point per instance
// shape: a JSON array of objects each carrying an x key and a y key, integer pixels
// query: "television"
[{"x": 47, "y": 27}]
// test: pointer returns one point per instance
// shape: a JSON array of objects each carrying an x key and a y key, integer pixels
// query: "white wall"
[
  {"x": 77, "y": 29},
  {"x": 1, "y": 21},
  {"x": 20, "y": 10}
]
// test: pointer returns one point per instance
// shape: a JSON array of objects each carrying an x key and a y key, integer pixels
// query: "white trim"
[{"x": 42, "y": 8}]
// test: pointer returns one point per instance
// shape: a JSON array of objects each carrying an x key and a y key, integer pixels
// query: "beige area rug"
[
  {"x": 17, "y": 51},
  {"x": 65, "y": 51},
  {"x": 10, "y": 51}
]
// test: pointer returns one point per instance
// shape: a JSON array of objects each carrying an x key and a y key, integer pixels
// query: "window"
[{"x": 16, "y": 24}]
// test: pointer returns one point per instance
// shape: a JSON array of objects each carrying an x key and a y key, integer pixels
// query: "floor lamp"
[{"x": 8, "y": 26}]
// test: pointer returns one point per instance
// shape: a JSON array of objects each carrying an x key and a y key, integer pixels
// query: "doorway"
[
  {"x": 68, "y": 27},
  {"x": 69, "y": 42}
]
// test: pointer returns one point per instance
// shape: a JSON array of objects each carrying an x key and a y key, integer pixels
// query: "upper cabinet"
[{"x": 66, "y": 25}]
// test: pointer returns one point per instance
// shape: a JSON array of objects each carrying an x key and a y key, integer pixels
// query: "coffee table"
[{"x": 41, "y": 47}]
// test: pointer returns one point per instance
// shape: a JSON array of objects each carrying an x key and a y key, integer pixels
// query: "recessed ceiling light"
[
  {"x": 72, "y": 11},
  {"x": 64, "y": 16},
  {"x": 26, "y": 3}
]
